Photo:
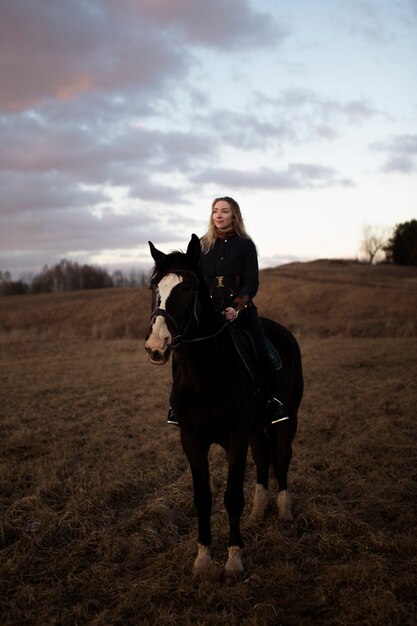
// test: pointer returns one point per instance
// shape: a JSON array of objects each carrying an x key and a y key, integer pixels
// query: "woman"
[{"x": 230, "y": 264}]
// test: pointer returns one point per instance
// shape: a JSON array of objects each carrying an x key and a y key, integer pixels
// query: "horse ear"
[
  {"x": 157, "y": 255},
  {"x": 194, "y": 250}
]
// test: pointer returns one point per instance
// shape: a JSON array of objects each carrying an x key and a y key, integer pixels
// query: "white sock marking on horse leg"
[
  {"x": 260, "y": 502},
  {"x": 233, "y": 567},
  {"x": 203, "y": 559},
  {"x": 284, "y": 506}
]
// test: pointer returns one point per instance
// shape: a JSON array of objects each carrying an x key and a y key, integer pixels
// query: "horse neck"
[
  {"x": 208, "y": 352},
  {"x": 208, "y": 320}
]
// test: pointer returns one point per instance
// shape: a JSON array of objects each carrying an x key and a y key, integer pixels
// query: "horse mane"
[
  {"x": 166, "y": 263},
  {"x": 174, "y": 261}
]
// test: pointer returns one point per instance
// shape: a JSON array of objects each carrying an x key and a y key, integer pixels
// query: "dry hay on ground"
[
  {"x": 96, "y": 517},
  {"x": 98, "y": 525}
]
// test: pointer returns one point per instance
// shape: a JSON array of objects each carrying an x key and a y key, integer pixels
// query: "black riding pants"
[{"x": 249, "y": 320}]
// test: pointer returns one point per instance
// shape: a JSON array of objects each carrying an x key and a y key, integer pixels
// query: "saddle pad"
[
  {"x": 246, "y": 351},
  {"x": 241, "y": 337}
]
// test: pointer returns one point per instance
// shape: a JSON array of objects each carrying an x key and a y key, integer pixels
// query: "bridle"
[{"x": 192, "y": 312}]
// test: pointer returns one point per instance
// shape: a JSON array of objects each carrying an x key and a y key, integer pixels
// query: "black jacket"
[{"x": 232, "y": 272}]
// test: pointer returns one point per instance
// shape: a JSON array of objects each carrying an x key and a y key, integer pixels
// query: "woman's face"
[{"x": 222, "y": 215}]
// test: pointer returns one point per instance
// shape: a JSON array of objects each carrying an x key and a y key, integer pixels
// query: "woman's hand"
[{"x": 230, "y": 314}]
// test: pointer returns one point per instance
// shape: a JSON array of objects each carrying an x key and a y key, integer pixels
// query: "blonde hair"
[{"x": 209, "y": 239}]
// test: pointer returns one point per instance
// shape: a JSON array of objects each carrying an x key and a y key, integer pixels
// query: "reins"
[{"x": 196, "y": 339}]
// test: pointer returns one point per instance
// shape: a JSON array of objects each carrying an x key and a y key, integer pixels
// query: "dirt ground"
[{"x": 98, "y": 525}]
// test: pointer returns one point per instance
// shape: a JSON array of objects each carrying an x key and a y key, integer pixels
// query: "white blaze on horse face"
[{"x": 160, "y": 336}]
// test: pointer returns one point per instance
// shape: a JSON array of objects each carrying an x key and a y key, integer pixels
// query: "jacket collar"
[{"x": 225, "y": 234}]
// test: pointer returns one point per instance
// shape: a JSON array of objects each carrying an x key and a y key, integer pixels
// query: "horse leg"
[
  {"x": 282, "y": 436},
  {"x": 197, "y": 455},
  {"x": 261, "y": 455},
  {"x": 235, "y": 501}
]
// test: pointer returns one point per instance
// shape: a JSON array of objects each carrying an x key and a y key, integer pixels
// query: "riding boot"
[
  {"x": 171, "y": 419},
  {"x": 276, "y": 411}
]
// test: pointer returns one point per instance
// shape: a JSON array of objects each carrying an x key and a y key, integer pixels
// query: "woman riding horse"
[
  {"x": 215, "y": 398},
  {"x": 230, "y": 265}
]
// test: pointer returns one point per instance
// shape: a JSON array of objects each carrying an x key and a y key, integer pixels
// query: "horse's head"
[{"x": 174, "y": 284}]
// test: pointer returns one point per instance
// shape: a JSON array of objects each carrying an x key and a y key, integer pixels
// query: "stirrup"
[
  {"x": 281, "y": 419},
  {"x": 278, "y": 410},
  {"x": 171, "y": 419}
]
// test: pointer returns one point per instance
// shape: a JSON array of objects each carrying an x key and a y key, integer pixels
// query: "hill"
[
  {"x": 335, "y": 297},
  {"x": 320, "y": 298},
  {"x": 97, "y": 523}
]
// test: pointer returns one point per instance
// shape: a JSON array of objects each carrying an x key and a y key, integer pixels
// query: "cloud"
[
  {"x": 116, "y": 153},
  {"x": 62, "y": 50},
  {"x": 115, "y": 115},
  {"x": 215, "y": 24},
  {"x": 295, "y": 176},
  {"x": 146, "y": 189},
  {"x": 401, "y": 153},
  {"x": 31, "y": 238},
  {"x": 366, "y": 19},
  {"x": 318, "y": 110},
  {"x": 294, "y": 116},
  {"x": 23, "y": 193},
  {"x": 247, "y": 131},
  {"x": 377, "y": 22}
]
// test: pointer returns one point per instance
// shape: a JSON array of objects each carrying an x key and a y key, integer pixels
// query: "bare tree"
[{"x": 374, "y": 240}]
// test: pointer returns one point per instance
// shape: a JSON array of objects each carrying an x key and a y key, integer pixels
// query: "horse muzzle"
[{"x": 158, "y": 357}]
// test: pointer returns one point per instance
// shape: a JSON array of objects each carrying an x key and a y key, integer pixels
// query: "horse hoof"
[
  {"x": 212, "y": 573},
  {"x": 233, "y": 570},
  {"x": 260, "y": 503},
  {"x": 232, "y": 578},
  {"x": 202, "y": 562},
  {"x": 284, "y": 507}
]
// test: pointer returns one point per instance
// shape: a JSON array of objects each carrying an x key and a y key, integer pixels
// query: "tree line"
[
  {"x": 69, "y": 276},
  {"x": 400, "y": 248}
]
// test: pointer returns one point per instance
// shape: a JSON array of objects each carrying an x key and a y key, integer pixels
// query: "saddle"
[{"x": 245, "y": 347}]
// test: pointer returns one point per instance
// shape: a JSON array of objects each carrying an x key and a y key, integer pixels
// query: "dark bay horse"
[{"x": 216, "y": 400}]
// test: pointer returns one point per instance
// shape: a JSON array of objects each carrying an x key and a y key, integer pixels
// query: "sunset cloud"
[
  {"x": 401, "y": 153},
  {"x": 119, "y": 119}
]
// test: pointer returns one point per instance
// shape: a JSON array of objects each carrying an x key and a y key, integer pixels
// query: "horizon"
[{"x": 27, "y": 277}]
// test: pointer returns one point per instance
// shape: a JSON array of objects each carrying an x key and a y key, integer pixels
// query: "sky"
[{"x": 121, "y": 120}]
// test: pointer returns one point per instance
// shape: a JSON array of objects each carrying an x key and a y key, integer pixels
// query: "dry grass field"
[{"x": 97, "y": 523}]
